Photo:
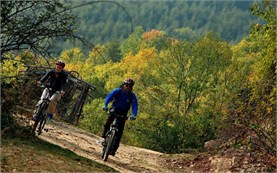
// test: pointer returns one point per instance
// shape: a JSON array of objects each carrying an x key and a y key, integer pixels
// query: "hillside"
[
  {"x": 105, "y": 21},
  {"x": 128, "y": 158}
]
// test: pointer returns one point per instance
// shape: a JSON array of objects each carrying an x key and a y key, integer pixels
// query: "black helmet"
[
  {"x": 60, "y": 63},
  {"x": 129, "y": 81}
]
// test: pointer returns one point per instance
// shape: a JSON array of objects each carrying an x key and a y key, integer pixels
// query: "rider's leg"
[
  {"x": 107, "y": 125},
  {"x": 44, "y": 94},
  {"x": 119, "y": 133},
  {"x": 52, "y": 104}
]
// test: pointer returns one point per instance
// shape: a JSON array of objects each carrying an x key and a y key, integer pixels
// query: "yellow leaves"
[
  {"x": 11, "y": 68},
  {"x": 134, "y": 65},
  {"x": 72, "y": 55},
  {"x": 113, "y": 82},
  {"x": 174, "y": 42},
  {"x": 106, "y": 70},
  {"x": 84, "y": 69},
  {"x": 269, "y": 110},
  {"x": 142, "y": 56}
]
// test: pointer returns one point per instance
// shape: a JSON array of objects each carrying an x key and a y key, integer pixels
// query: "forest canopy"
[{"x": 103, "y": 21}]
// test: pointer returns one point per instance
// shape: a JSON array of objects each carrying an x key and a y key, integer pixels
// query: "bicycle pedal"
[{"x": 101, "y": 142}]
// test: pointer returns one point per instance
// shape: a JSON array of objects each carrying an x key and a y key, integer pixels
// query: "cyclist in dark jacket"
[
  {"x": 123, "y": 99},
  {"x": 56, "y": 80}
]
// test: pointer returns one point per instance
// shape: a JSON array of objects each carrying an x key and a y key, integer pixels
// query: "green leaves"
[
  {"x": 174, "y": 84},
  {"x": 188, "y": 92}
]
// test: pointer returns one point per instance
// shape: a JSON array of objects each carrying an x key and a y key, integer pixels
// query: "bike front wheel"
[
  {"x": 42, "y": 124},
  {"x": 35, "y": 127},
  {"x": 109, "y": 144},
  {"x": 40, "y": 118}
]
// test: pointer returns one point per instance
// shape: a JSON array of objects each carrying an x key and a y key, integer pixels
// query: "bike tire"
[
  {"x": 103, "y": 150},
  {"x": 42, "y": 124},
  {"x": 105, "y": 147},
  {"x": 40, "y": 112},
  {"x": 104, "y": 144},
  {"x": 35, "y": 127},
  {"x": 110, "y": 141}
]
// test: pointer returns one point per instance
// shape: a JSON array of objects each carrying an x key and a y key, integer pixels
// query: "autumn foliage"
[{"x": 188, "y": 92}]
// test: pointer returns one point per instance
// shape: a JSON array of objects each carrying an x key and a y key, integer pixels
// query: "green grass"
[{"x": 30, "y": 154}]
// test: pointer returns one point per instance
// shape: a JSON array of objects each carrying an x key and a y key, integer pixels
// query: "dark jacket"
[{"x": 56, "y": 81}]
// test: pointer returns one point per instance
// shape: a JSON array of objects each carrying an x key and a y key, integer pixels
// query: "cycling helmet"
[
  {"x": 129, "y": 81},
  {"x": 60, "y": 63}
]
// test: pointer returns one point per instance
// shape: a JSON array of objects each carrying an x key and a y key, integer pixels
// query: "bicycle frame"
[
  {"x": 110, "y": 137},
  {"x": 42, "y": 115}
]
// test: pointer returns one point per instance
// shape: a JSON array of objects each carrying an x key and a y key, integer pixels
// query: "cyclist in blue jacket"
[{"x": 122, "y": 100}]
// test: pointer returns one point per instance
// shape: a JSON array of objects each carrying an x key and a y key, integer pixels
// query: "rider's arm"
[
  {"x": 134, "y": 106},
  {"x": 45, "y": 77},
  {"x": 64, "y": 80},
  {"x": 111, "y": 96}
]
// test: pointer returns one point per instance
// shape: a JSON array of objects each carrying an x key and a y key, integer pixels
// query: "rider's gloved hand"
[
  {"x": 38, "y": 83},
  {"x": 132, "y": 118},
  {"x": 62, "y": 93},
  {"x": 105, "y": 108}
]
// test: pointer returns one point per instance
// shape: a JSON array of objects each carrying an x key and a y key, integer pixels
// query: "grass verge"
[{"x": 31, "y": 154}]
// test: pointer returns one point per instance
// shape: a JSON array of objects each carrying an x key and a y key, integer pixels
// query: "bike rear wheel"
[{"x": 109, "y": 144}]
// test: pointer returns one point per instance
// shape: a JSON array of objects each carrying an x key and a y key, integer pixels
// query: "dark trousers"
[{"x": 121, "y": 124}]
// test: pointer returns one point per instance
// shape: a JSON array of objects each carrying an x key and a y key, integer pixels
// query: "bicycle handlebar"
[
  {"x": 110, "y": 110},
  {"x": 44, "y": 86}
]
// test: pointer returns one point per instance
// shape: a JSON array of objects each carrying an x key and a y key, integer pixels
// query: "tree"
[
  {"x": 34, "y": 24},
  {"x": 112, "y": 51},
  {"x": 252, "y": 86},
  {"x": 155, "y": 38},
  {"x": 132, "y": 43},
  {"x": 263, "y": 78},
  {"x": 101, "y": 54}
]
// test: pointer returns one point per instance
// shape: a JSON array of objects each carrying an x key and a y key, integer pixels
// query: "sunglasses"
[{"x": 128, "y": 85}]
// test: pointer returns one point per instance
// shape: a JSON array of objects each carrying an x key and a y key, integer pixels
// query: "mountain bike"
[
  {"x": 111, "y": 136},
  {"x": 41, "y": 112}
]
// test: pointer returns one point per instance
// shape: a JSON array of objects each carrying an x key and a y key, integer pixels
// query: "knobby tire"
[
  {"x": 40, "y": 117},
  {"x": 42, "y": 124},
  {"x": 35, "y": 126},
  {"x": 109, "y": 145}
]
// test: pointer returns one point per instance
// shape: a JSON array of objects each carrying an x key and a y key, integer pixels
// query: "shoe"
[
  {"x": 103, "y": 142},
  {"x": 103, "y": 135},
  {"x": 50, "y": 116},
  {"x": 112, "y": 153},
  {"x": 35, "y": 117}
]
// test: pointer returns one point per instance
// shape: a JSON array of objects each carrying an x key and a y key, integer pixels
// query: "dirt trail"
[
  {"x": 133, "y": 159},
  {"x": 127, "y": 158}
]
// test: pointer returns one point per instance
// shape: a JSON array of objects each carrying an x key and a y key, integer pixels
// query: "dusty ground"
[
  {"x": 134, "y": 159},
  {"x": 127, "y": 158}
]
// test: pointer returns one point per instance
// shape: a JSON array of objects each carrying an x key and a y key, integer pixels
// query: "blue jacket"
[{"x": 122, "y": 103}]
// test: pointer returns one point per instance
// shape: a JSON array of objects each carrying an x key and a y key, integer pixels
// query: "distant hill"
[{"x": 105, "y": 21}]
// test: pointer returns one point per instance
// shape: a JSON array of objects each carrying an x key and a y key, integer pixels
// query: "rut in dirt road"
[{"x": 127, "y": 158}]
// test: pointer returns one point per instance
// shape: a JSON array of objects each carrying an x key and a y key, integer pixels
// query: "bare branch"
[{"x": 35, "y": 24}]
